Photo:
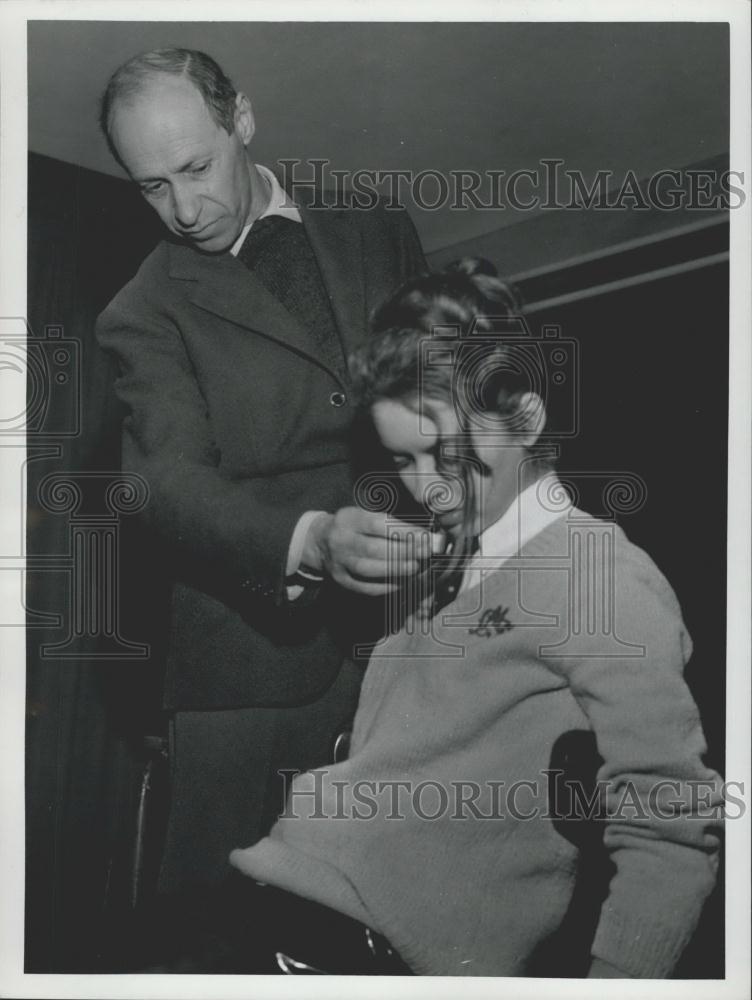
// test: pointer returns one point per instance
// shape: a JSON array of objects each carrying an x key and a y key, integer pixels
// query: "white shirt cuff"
[{"x": 295, "y": 553}]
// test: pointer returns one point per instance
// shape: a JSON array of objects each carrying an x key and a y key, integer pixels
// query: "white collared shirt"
[
  {"x": 279, "y": 204},
  {"x": 527, "y": 515}
]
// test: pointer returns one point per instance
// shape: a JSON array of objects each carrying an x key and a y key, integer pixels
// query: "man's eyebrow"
[
  {"x": 189, "y": 165},
  {"x": 193, "y": 163}
]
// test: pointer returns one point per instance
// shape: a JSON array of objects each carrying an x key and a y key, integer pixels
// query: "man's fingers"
[
  {"x": 370, "y": 553},
  {"x": 367, "y": 522},
  {"x": 391, "y": 549},
  {"x": 381, "y": 569},
  {"x": 367, "y": 588},
  {"x": 371, "y": 534}
]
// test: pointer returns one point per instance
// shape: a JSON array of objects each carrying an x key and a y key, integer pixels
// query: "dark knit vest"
[{"x": 278, "y": 252}]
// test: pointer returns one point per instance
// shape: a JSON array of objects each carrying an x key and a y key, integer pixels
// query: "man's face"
[{"x": 194, "y": 175}]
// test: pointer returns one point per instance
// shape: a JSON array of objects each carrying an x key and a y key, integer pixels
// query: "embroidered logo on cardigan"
[{"x": 493, "y": 621}]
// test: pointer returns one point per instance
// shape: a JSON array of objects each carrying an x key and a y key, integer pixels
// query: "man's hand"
[{"x": 363, "y": 551}]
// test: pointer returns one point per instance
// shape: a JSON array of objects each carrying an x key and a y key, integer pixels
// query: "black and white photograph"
[{"x": 376, "y": 499}]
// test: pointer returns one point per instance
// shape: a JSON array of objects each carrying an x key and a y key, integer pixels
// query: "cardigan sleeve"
[{"x": 661, "y": 805}]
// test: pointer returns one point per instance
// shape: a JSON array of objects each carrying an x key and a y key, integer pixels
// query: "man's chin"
[
  {"x": 211, "y": 242},
  {"x": 211, "y": 247}
]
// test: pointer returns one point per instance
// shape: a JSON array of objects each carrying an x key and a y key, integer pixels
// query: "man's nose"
[{"x": 185, "y": 207}]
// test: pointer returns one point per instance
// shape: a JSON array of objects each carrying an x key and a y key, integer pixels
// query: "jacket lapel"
[
  {"x": 224, "y": 287},
  {"x": 336, "y": 243}
]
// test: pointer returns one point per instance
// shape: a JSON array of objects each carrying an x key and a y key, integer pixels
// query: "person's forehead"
[
  {"x": 396, "y": 422},
  {"x": 165, "y": 120},
  {"x": 413, "y": 424},
  {"x": 166, "y": 87},
  {"x": 162, "y": 102},
  {"x": 442, "y": 415}
]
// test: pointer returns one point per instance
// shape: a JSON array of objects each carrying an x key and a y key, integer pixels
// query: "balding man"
[{"x": 232, "y": 342}]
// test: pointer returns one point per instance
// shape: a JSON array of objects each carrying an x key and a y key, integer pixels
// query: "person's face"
[
  {"x": 415, "y": 442},
  {"x": 192, "y": 172}
]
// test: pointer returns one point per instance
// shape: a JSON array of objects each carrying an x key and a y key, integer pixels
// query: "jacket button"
[{"x": 338, "y": 399}]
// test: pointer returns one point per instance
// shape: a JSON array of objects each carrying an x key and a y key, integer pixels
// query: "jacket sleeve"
[
  {"x": 237, "y": 529},
  {"x": 661, "y": 806}
]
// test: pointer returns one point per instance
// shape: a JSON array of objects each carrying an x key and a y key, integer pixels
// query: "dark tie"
[
  {"x": 259, "y": 237},
  {"x": 277, "y": 251},
  {"x": 448, "y": 587}
]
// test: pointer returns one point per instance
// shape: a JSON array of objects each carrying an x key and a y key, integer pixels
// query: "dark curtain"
[{"x": 85, "y": 713}]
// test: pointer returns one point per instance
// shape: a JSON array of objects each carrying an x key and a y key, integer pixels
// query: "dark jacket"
[{"x": 232, "y": 420}]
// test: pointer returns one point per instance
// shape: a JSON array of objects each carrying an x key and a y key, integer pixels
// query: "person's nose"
[
  {"x": 426, "y": 482},
  {"x": 185, "y": 207}
]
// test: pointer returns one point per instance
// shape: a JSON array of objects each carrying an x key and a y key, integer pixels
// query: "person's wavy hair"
[
  {"x": 204, "y": 73},
  {"x": 468, "y": 308}
]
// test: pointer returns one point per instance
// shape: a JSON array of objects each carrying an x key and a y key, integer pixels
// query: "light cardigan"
[{"x": 596, "y": 643}]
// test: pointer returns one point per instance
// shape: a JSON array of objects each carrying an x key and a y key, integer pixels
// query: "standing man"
[{"x": 232, "y": 342}]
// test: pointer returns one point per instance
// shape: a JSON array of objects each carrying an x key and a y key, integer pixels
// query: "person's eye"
[
  {"x": 448, "y": 452},
  {"x": 201, "y": 169},
  {"x": 153, "y": 190},
  {"x": 401, "y": 462}
]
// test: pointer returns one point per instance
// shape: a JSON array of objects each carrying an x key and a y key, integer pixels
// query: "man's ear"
[
  {"x": 245, "y": 125},
  {"x": 532, "y": 414}
]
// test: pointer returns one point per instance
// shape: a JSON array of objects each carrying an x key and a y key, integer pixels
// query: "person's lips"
[{"x": 450, "y": 518}]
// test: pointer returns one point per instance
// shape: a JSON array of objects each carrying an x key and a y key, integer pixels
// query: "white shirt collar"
[
  {"x": 542, "y": 503},
  {"x": 279, "y": 204}
]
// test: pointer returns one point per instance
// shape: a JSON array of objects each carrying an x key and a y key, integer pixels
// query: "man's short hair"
[{"x": 205, "y": 74}]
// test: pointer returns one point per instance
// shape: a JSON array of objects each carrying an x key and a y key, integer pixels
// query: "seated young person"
[{"x": 538, "y": 620}]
